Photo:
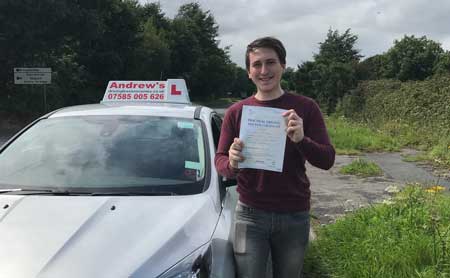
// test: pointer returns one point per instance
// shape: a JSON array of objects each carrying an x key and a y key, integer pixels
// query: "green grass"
[
  {"x": 440, "y": 153},
  {"x": 353, "y": 138},
  {"x": 361, "y": 168},
  {"x": 408, "y": 238},
  {"x": 415, "y": 158}
]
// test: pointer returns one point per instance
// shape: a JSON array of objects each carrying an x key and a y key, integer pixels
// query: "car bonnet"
[{"x": 79, "y": 236}]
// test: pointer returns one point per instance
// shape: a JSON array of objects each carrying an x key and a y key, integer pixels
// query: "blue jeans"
[{"x": 257, "y": 232}]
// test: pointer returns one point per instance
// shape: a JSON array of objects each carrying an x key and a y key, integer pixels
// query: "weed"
[{"x": 362, "y": 168}]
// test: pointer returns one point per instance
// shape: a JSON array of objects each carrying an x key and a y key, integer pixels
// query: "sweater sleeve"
[
  {"x": 227, "y": 135},
  {"x": 316, "y": 145}
]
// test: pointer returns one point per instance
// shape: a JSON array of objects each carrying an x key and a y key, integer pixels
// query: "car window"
[
  {"x": 107, "y": 152},
  {"x": 216, "y": 124}
]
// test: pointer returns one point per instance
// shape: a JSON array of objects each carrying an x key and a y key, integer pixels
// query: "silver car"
[{"x": 117, "y": 189}]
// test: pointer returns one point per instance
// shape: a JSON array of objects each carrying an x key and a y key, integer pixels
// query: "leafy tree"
[
  {"x": 372, "y": 68},
  {"x": 288, "y": 80},
  {"x": 412, "y": 58},
  {"x": 338, "y": 48},
  {"x": 443, "y": 64},
  {"x": 152, "y": 55},
  {"x": 305, "y": 78},
  {"x": 242, "y": 86},
  {"x": 333, "y": 72},
  {"x": 87, "y": 43},
  {"x": 185, "y": 48},
  {"x": 153, "y": 12},
  {"x": 107, "y": 51},
  {"x": 196, "y": 55},
  {"x": 202, "y": 25},
  {"x": 35, "y": 34},
  {"x": 336, "y": 80}
]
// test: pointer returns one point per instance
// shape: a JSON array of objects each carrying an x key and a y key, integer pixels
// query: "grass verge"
[
  {"x": 354, "y": 138},
  {"x": 361, "y": 168},
  {"x": 350, "y": 137},
  {"x": 408, "y": 237}
]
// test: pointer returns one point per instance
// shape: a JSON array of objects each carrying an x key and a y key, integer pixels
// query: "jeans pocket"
[{"x": 244, "y": 213}]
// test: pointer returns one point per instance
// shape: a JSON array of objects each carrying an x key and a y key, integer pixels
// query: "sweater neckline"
[{"x": 271, "y": 101}]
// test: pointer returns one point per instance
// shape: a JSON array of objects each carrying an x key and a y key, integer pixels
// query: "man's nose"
[{"x": 264, "y": 68}]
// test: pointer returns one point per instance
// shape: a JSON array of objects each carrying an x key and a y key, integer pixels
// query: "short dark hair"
[{"x": 266, "y": 42}]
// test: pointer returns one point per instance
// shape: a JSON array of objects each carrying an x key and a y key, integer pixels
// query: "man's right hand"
[{"x": 235, "y": 153}]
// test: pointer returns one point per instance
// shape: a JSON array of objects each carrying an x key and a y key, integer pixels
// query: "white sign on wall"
[{"x": 32, "y": 75}]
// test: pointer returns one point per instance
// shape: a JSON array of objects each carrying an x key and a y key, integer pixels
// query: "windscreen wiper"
[
  {"x": 134, "y": 193},
  {"x": 6, "y": 190},
  {"x": 23, "y": 191}
]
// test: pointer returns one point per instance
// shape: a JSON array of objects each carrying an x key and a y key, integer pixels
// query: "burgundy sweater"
[{"x": 286, "y": 191}]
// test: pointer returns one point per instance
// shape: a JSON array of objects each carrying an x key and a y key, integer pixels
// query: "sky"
[{"x": 302, "y": 24}]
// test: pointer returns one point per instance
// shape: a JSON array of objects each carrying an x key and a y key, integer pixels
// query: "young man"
[{"x": 272, "y": 214}]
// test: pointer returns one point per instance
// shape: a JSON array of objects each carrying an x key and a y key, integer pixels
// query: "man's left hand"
[{"x": 294, "y": 126}]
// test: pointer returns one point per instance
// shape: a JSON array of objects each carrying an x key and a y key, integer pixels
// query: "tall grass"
[
  {"x": 350, "y": 137},
  {"x": 407, "y": 238},
  {"x": 354, "y": 138}
]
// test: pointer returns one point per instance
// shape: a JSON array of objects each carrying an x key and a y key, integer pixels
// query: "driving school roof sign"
[
  {"x": 32, "y": 76},
  {"x": 172, "y": 91}
]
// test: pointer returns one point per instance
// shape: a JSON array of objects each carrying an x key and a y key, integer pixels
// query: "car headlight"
[{"x": 190, "y": 267}]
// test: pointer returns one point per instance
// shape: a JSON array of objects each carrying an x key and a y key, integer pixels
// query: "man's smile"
[{"x": 268, "y": 78}]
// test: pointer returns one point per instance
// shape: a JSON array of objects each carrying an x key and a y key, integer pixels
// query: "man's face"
[{"x": 265, "y": 70}]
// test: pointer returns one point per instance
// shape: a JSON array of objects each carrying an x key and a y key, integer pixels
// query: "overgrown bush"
[{"x": 416, "y": 113}]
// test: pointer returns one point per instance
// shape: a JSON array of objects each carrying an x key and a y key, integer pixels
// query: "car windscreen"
[{"x": 107, "y": 153}]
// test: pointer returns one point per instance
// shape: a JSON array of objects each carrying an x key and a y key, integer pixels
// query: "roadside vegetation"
[
  {"x": 409, "y": 236},
  {"x": 224, "y": 102},
  {"x": 361, "y": 168},
  {"x": 396, "y": 114},
  {"x": 353, "y": 138}
]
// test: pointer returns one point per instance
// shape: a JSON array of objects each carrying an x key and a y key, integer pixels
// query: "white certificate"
[{"x": 263, "y": 131}]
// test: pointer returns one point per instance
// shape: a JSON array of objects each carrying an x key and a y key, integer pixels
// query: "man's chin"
[
  {"x": 266, "y": 90},
  {"x": 266, "y": 87}
]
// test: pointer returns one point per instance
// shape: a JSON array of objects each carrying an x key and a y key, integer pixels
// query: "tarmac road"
[{"x": 334, "y": 194}]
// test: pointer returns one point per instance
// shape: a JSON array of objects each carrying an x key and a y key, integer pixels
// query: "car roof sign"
[{"x": 170, "y": 91}]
